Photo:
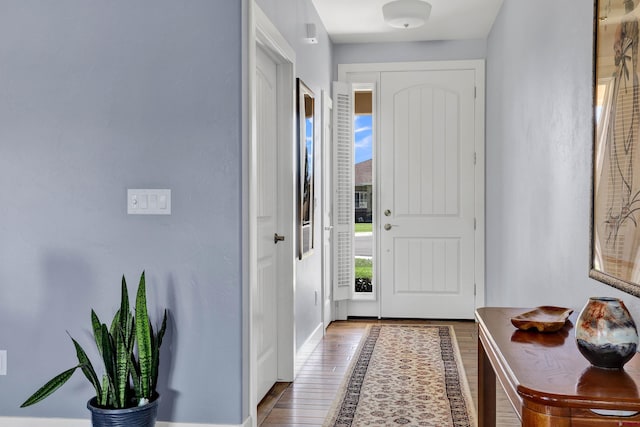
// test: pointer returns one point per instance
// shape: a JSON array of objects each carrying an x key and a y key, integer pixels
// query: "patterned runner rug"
[{"x": 404, "y": 375}]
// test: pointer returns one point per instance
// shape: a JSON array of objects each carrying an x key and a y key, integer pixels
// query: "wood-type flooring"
[{"x": 306, "y": 401}]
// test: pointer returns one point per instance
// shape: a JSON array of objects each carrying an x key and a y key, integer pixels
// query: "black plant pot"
[{"x": 139, "y": 416}]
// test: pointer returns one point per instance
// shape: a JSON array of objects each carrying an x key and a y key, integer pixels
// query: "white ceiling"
[{"x": 361, "y": 21}]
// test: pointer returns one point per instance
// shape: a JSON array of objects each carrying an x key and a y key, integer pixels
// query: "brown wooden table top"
[{"x": 548, "y": 367}]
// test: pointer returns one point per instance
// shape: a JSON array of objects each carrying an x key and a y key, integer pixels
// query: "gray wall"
[
  {"x": 98, "y": 97},
  {"x": 538, "y": 150},
  {"x": 313, "y": 66}
]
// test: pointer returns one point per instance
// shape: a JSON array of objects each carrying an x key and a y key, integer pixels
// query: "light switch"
[{"x": 149, "y": 202}]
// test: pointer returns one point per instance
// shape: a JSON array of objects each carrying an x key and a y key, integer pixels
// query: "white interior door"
[
  {"x": 327, "y": 200},
  {"x": 427, "y": 196},
  {"x": 266, "y": 307}
]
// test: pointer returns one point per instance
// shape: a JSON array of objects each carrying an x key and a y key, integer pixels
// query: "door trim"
[
  {"x": 263, "y": 33},
  {"x": 364, "y": 308},
  {"x": 327, "y": 224}
]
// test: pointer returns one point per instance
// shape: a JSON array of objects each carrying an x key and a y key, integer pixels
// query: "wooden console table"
[{"x": 547, "y": 380}]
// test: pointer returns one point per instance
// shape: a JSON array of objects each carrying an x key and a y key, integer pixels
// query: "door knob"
[
  {"x": 387, "y": 212},
  {"x": 277, "y": 238},
  {"x": 388, "y": 227}
]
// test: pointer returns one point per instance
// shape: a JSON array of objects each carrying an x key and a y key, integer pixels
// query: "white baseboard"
[
  {"x": 309, "y": 345},
  {"x": 63, "y": 422}
]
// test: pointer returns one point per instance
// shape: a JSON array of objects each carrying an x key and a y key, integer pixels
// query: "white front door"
[
  {"x": 265, "y": 320},
  {"x": 427, "y": 196}
]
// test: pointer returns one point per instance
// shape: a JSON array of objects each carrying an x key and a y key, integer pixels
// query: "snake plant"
[{"x": 130, "y": 352}]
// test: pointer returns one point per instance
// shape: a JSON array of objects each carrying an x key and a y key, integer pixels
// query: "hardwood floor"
[{"x": 306, "y": 401}]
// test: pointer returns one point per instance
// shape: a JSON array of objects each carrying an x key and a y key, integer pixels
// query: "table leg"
[{"x": 486, "y": 390}]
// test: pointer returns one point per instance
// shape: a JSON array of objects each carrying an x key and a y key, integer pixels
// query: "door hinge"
[
  {"x": 474, "y": 223},
  {"x": 475, "y": 92},
  {"x": 475, "y": 158},
  {"x": 474, "y": 289}
]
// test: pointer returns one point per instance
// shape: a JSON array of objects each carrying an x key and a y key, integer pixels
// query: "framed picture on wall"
[
  {"x": 306, "y": 143},
  {"x": 615, "y": 211}
]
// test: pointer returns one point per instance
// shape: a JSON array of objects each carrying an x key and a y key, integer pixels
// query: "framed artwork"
[
  {"x": 615, "y": 207},
  {"x": 306, "y": 142}
]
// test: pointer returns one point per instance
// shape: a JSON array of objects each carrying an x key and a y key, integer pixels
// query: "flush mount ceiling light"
[{"x": 406, "y": 13}]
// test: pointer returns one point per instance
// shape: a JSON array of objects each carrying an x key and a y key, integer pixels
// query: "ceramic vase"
[{"x": 606, "y": 333}]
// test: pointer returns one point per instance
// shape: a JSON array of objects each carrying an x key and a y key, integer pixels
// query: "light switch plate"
[
  {"x": 148, "y": 202},
  {"x": 3, "y": 362}
]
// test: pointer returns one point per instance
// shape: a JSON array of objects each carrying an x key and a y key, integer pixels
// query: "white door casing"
[
  {"x": 427, "y": 194},
  {"x": 371, "y": 73},
  {"x": 264, "y": 35},
  {"x": 327, "y": 200}
]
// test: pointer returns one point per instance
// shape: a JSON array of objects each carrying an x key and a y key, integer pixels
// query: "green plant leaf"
[
  {"x": 143, "y": 336},
  {"x": 131, "y": 333},
  {"x": 134, "y": 369},
  {"x": 103, "y": 398},
  {"x": 157, "y": 342},
  {"x": 87, "y": 367},
  {"x": 120, "y": 373},
  {"x": 46, "y": 390},
  {"x": 127, "y": 319},
  {"x": 124, "y": 311},
  {"x": 122, "y": 315},
  {"x": 122, "y": 368},
  {"x": 163, "y": 328},
  {"x": 97, "y": 331},
  {"x": 115, "y": 324},
  {"x": 108, "y": 357}
]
